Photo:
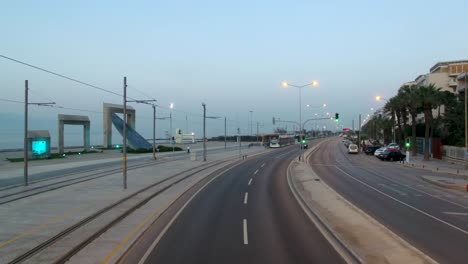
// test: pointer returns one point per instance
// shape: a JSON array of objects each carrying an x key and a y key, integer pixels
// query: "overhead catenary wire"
[
  {"x": 92, "y": 86},
  {"x": 61, "y": 75},
  {"x": 11, "y": 101}
]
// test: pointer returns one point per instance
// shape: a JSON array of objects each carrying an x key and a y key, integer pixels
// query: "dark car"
[
  {"x": 392, "y": 154},
  {"x": 370, "y": 150}
]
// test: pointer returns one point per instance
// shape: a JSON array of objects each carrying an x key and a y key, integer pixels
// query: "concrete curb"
[{"x": 444, "y": 185}]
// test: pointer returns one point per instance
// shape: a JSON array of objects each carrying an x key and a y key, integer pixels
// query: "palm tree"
[
  {"x": 429, "y": 98},
  {"x": 393, "y": 106},
  {"x": 409, "y": 98}
]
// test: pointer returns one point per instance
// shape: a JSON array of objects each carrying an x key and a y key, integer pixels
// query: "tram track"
[{"x": 125, "y": 206}]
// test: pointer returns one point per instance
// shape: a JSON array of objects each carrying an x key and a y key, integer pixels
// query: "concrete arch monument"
[
  {"x": 108, "y": 110},
  {"x": 73, "y": 120}
]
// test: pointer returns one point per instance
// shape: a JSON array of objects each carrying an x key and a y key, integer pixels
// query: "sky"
[{"x": 231, "y": 55}]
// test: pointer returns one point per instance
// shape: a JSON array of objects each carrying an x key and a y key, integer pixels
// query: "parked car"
[
  {"x": 353, "y": 148},
  {"x": 347, "y": 142},
  {"x": 392, "y": 154},
  {"x": 393, "y": 145},
  {"x": 369, "y": 150},
  {"x": 379, "y": 151}
]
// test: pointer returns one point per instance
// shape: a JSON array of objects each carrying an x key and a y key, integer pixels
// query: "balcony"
[{"x": 452, "y": 83}]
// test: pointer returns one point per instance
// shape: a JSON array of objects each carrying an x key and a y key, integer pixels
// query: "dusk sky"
[{"x": 232, "y": 55}]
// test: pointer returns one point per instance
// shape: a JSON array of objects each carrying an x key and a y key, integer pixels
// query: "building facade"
[{"x": 444, "y": 75}]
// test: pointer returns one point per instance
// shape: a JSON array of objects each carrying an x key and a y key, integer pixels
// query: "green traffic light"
[
  {"x": 408, "y": 144},
  {"x": 303, "y": 141}
]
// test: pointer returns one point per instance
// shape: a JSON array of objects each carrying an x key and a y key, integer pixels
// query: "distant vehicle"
[
  {"x": 281, "y": 141},
  {"x": 347, "y": 142},
  {"x": 379, "y": 151},
  {"x": 371, "y": 149},
  {"x": 392, "y": 154},
  {"x": 393, "y": 145},
  {"x": 353, "y": 148}
]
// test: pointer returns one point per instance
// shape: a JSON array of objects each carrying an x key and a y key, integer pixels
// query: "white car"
[
  {"x": 393, "y": 145},
  {"x": 353, "y": 148},
  {"x": 379, "y": 151}
]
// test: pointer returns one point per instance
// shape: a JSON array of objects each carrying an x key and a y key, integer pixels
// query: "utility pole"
[
  {"x": 124, "y": 133},
  {"x": 172, "y": 140},
  {"x": 224, "y": 132},
  {"x": 466, "y": 120},
  {"x": 239, "y": 139},
  {"x": 359, "y": 133},
  {"x": 154, "y": 131},
  {"x": 251, "y": 133},
  {"x": 204, "y": 131},
  {"x": 257, "y": 131},
  {"x": 26, "y": 88},
  {"x": 26, "y": 143},
  {"x": 186, "y": 124}
]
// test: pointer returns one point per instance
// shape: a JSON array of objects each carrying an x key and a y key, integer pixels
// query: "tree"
[
  {"x": 429, "y": 99},
  {"x": 393, "y": 106},
  {"x": 410, "y": 100}
]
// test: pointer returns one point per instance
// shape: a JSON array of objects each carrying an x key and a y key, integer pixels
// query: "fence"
[{"x": 454, "y": 152}]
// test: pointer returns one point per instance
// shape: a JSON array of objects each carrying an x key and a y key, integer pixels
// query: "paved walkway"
[
  {"x": 437, "y": 165},
  {"x": 15, "y": 169}
]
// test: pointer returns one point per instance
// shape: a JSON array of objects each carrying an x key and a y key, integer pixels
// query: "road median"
[{"x": 360, "y": 237}]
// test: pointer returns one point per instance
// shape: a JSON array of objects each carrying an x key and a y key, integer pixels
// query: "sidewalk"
[
  {"x": 15, "y": 169},
  {"x": 437, "y": 165},
  {"x": 360, "y": 234}
]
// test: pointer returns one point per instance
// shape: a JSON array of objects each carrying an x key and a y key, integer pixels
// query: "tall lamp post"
[
  {"x": 251, "y": 112},
  {"x": 171, "y": 106},
  {"x": 299, "y": 87},
  {"x": 204, "y": 131}
]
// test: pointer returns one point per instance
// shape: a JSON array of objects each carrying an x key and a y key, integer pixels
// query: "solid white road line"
[
  {"x": 255, "y": 172},
  {"x": 246, "y": 196},
  {"x": 246, "y": 239},
  {"x": 455, "y": 213},
  {"x": 403, "y": 203},
  {"x": 250, "y": 181}
]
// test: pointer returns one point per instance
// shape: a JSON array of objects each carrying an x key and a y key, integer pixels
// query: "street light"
[
  {"x": 171, "y": 106},
  {"x": 204, "y": 131},
  {"x": 313, "y": 84}
]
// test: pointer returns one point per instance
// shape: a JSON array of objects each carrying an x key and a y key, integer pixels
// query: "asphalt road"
[
  {"x": 433, "y": 219},
  {"x": 246, "y": 215}
]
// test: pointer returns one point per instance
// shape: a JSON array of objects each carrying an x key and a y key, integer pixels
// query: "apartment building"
[{"x": 444, "y": 75}]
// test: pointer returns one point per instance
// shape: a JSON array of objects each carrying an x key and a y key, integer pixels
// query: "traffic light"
[
  {"x": 408, "y": 143},
  {"x": 337, "y": 117},
  {"x": 303, "y": 140}
]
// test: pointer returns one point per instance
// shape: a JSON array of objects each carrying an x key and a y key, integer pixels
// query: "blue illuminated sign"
[{"x": 39, "y": 147}]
